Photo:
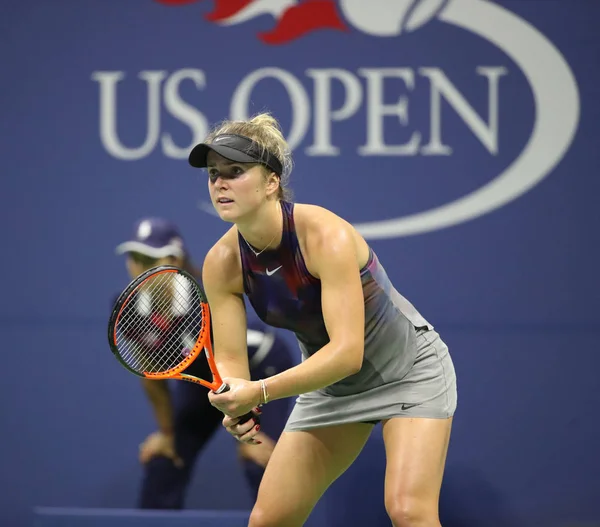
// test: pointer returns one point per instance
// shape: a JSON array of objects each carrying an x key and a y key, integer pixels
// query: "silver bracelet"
[{"x": 264, "y": 393}]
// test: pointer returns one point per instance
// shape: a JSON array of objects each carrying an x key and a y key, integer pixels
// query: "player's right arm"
[{"x": 222, "y": 281}]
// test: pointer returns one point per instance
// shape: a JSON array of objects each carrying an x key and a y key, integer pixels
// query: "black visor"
[{"x": 235, "y": 148}]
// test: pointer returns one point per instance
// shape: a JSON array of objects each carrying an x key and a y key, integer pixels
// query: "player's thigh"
[
  {"x": 416, "y": 455},
  {"x": 301, "y": 468}
]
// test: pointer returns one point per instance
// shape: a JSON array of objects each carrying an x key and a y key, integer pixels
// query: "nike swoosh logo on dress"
[{"x": 269, "y": 273}]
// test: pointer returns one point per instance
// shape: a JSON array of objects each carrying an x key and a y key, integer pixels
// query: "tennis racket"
[{"x": 159, "y": 326}]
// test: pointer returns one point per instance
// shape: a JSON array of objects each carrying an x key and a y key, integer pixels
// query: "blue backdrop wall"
[{"x": 460, "y": 136}]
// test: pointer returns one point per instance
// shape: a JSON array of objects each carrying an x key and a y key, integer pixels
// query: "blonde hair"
[{"x": 264, "y": 130}]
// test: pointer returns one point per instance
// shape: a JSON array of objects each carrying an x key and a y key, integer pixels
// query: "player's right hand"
[{"x": 159, "y": 444}]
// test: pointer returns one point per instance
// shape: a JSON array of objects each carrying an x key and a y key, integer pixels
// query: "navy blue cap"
[{"x": 154, "y": 237}]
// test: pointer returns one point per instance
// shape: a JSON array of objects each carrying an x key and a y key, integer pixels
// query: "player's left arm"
[{"x": 334, "y": 260}]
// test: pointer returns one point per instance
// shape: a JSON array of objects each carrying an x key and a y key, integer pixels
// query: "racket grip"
[
  {"x": 250, "y": 415},
  {"x": 246, "y": 417}
]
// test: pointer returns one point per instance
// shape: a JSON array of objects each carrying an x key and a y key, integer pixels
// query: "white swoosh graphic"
[
  {"x": 271, "y": 273},
  {"x": 261, "y": 7},
  {"x": 557, "y": 115}
]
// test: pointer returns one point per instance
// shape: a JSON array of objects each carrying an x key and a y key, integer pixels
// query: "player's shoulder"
[
  {"x": 319, "y": 223},
  {"x": 222, "y": 262},
  {"x": 224, "y": 250}
]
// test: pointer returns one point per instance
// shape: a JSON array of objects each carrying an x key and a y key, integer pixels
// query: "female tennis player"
[
  {"x": 369, "y": 355},
  {"x": 185, "y": 419}
]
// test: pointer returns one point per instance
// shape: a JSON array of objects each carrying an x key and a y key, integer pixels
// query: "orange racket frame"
[{"x": 203, "y": 342}]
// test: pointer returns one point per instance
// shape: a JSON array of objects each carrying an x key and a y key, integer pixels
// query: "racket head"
[{"x": 160, "y": 324}]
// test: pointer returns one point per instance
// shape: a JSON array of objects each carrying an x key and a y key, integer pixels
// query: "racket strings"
[
  {"x": 142, "y": 319},
  {"x": 163, "y": 336},
  {"x": 157, "y": 326},
  {"x": 161, "y": 323}
]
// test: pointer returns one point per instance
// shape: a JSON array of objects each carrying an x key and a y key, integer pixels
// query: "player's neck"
[{"x": 264, "y": 230}]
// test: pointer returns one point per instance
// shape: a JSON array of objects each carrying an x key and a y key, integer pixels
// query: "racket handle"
[
  {"x": 250, "y": 415},
  {"x": 223, "y": 388},
  {"x": 244, "y": 418}
]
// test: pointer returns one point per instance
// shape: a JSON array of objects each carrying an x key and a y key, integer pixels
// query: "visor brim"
[{"x": 199, "y": 155}]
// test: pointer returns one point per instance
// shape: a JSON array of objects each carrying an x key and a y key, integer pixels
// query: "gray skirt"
[{"x": 427, "y": 390}]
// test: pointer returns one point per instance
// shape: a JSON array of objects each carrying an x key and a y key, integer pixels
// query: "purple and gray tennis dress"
[{"x": 406, "y": 371}]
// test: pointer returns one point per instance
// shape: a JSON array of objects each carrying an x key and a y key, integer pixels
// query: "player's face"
[{"x": 236, "y": 189}]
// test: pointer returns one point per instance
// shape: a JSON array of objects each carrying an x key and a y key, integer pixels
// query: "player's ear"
[{"x": 272, "y": 183}]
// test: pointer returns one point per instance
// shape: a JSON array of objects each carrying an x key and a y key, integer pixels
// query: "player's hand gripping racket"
[{"x": 160, "y": 324}]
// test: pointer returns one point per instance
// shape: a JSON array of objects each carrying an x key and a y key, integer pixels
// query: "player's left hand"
[{"x": 242, "y": 397}]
